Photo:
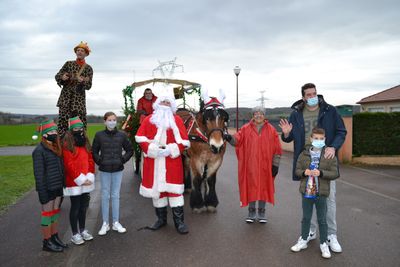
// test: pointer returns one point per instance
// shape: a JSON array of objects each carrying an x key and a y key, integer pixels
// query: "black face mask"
[
  {"x": 51, "y": 137},
  {"x": 79, "y": 138}
]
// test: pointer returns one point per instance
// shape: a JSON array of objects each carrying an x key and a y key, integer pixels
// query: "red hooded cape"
[{"x": 255, "y": 153}]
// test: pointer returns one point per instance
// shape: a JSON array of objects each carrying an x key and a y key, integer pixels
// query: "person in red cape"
[
  {"x": 162, "y": 137},
  {"x": 145, "y": 104},
  {"x": 258, "y": 150}
]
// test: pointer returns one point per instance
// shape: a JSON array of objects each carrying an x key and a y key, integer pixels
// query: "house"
[{"x": 385, "y": 101}]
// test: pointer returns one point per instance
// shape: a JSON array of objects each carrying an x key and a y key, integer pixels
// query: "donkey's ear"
[
  {"x": 221, "y": 96},
  {"x": 204, "y": 95}
]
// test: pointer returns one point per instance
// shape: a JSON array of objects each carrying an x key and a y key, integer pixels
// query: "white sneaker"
[
  {"x": 104, "y": 229},
  {"x": 325, "y": 250},
  {"x": 118, "y": 227},
  {"x": 77, "y": 239},
  {"x": 301, "y": 244},
  {"x": 86, "y": 236},
  {"x": 311, "y": 236},
  {"x": 334, "y": 244}
]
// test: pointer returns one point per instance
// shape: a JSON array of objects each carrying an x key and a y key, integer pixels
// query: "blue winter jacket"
[{"x": 328, "y": 119}]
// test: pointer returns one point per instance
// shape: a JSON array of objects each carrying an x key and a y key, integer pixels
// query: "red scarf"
[{"x": 80, "y": 62}]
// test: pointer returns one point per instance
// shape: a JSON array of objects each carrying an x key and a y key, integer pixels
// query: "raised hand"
[{"x": 286, "y": 127}]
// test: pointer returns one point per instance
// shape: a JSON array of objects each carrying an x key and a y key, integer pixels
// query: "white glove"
[{"x": 164, "y": 152}]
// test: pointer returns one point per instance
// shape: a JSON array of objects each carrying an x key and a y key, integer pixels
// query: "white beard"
[{"x": 163, "y": 117}]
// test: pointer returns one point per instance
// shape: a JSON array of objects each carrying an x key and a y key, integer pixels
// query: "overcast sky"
[{"x": 349, "y": 49}]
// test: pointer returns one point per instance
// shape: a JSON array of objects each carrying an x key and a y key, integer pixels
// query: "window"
[
  {"x": 376, "y": 110},
  {"x": 395, "y": 109}
]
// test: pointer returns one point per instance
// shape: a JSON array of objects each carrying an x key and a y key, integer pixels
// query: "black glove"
[
  {"x": 275, "y": 170},
  {"x": 228, "y": 137}
]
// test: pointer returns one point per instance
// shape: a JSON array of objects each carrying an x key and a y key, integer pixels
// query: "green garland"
[{"x": 132, "y": 125}]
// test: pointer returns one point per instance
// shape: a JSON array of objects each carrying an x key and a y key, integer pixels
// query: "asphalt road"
[{"x": 368, "y": 217}]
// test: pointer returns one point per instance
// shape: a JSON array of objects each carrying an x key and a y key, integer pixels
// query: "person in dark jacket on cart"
[
  {"x": 49, "y": 177},
  {"x": 107, "y": 149}
]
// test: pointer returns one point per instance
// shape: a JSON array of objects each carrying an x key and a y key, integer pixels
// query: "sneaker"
[
  {"x": 77, "y": 239},
  {"x": 334, "y": 244},
  {"x": 86, "y": 236},
  {"x": 301, "y": 244},
  {"x": 252, "y": 215},
  {"x": 311, "y": 236},
  {"x": 104, "y": 229},
  {"x": 262, "y": 217},
  {"x": 118, "y": 227},
  {"x": 325, "y": 250}
]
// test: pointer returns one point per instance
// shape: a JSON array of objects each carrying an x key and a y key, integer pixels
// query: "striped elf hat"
[
  {"x": 44, "y": 128},
  {"x": 75, "y": 122}
]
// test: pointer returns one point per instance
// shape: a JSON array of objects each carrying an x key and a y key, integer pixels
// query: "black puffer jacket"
[
  {"x": 48, "y": 170},
  {"x": 107, "y": 150}
]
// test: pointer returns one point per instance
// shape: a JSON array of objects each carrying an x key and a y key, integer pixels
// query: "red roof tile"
[{"x": 391, "y": 94}]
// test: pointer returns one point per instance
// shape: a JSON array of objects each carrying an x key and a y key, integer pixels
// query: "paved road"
[
  {"x": 368, "y": 220},
  {"x": 16, "y": 150}
]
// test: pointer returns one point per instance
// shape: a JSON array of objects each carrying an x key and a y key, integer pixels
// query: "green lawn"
[
  {"x": 21, "y": 135},
  {"x": 16, "y": 178}
]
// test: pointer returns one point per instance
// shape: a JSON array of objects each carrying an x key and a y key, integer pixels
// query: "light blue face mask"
[
  {"x": 318, "y": 143},
  {"x": 312, "y": 101},
  {"x": 111, "y": 124}
]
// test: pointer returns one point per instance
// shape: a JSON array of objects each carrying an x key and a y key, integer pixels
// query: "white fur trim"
[
  {"x": 186, "y": 143},
  {"x": 148, "y": 192},
  {"x": 73, "y": 191},
  {"x": 87, "y": 188},
  {"x": 160, "y": 202},
  {"x": 175, "y": 188},
  {"x": 174, "y": 150},
  {"x": 80, "y": 179},
  {"x": 152, "y": 151},
  {"x": 176, "y": 201},
  {"x": 141, "y": 139},
  {"x": 90, "y": 176}
]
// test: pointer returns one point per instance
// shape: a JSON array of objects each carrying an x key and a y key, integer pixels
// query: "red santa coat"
[
  {"x": 146, "y": 106},
  {"x": 78, "y": 168},
  {"x": 255, "y": 153},
  {"x": 162, "y": 174}
]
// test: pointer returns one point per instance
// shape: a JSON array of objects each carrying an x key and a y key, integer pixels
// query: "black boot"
[
  {"x": 179, "y": 220},
  {"x": 161, "y": 218},
  {"x": 58, "y": 241},
  {"x": 49, "y": 245}
]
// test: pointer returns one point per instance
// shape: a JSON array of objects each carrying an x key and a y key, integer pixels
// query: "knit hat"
[
  {"x": 84, "y": 46},
  {"x": 75, "y": 122},
  {"x": 44, "y": 128}
]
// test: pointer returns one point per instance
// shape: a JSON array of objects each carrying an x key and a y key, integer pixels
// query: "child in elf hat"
[
  {"x": 316, "y": 172},
  {"x": 108, "y": 147},
  {"x": 79, "y": 177},
  {"x": 49, "y": 177}
]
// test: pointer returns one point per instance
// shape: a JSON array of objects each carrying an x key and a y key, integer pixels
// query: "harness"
[{"x": 200, "y": 135}]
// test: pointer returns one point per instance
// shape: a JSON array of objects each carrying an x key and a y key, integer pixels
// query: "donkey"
[{"x": 206, "y": 131}]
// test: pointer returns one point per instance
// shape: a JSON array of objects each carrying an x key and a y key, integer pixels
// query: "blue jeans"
[{"x": 110, "y": 185}]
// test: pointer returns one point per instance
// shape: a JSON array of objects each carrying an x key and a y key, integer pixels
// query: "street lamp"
[{"x": 236, "y": 70}]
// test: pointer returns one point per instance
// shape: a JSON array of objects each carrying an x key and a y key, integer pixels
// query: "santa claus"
[{"x": 162, "y": 137}]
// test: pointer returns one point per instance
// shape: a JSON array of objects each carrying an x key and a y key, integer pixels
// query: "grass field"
[
  {"x": 21, "y": 135},
  {"x": 16, "y": 178}
]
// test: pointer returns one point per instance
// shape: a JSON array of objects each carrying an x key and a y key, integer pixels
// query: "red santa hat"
[{"x": 212, "y": 101}]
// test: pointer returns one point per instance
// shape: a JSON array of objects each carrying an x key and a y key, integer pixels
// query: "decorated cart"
[{"x": 182, "y": 89}]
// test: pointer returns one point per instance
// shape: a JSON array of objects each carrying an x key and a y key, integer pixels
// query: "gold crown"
[{"x": 84, "y": 46}]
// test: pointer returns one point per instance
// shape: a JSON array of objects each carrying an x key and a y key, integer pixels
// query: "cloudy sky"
[{"x": 349, "y": 49}]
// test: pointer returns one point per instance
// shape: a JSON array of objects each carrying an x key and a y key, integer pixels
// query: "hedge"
[{"x": 376, "y": 133}]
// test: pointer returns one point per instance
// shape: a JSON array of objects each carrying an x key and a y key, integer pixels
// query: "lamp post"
[{"x": 236, "y": 70}]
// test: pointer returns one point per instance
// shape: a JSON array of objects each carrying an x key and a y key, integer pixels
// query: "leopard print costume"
[{"x": 72, "y": 100}]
